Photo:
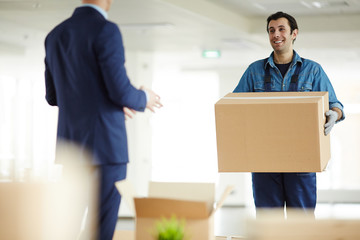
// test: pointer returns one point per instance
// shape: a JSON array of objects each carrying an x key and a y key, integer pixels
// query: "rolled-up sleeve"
[{"x": 326, "y": 86}]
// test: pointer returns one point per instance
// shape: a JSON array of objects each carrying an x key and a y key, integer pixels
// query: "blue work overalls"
[{"x": 275, "y": 190}]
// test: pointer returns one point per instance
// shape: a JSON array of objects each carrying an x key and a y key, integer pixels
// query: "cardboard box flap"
[
  {"x": 127, "y": 193},
  {"x": 204, "y": 192},
  {"x": 161, "y": 207},
  {"x": 223, "y": 197},
  {"x": 183, "y": 191}
]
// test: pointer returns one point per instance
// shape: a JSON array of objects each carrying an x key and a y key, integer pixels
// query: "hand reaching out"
[
  {"x": 153, "y": 99},
  {"x": 129, "y": 113}
]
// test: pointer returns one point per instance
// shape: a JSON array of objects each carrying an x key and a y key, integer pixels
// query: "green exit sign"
[{"x": 211, "y": 54}]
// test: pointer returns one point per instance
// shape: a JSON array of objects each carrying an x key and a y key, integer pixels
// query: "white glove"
[{"x": 331, "y": 117}]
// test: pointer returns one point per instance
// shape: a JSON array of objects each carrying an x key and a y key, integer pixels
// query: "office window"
[{"x": 28, "y": 129}]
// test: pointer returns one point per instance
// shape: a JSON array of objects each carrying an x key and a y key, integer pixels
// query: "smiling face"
[{"x": 280, "y": 35}]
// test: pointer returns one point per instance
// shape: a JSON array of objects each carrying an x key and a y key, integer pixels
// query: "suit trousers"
[{"x": 109, "y": 198}]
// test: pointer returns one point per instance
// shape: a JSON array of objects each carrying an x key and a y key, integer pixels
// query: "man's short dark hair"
[{"x": 276, "y": 16}]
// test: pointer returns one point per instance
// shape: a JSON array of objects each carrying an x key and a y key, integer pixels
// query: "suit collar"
[
  {"x": 87, "y": 9},
  {"x": 97, "y": 8}
]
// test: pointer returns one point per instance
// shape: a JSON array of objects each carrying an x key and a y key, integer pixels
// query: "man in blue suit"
[{"x": 86, "y": 78}]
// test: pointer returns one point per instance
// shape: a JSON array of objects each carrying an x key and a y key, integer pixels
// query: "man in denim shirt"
[{"x": 285, "y": 71}]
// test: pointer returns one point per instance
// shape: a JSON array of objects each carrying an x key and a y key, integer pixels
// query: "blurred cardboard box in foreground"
[
  {"x": 56, "y": 209},
  {"x": 130, "y": 235},
  {"x": 272, "y": 132},
  {"x": 124, "y": 235},
  {"x": 193, "y": 202},
  {"x": 301, "y": 227},
  {"x": 43, "y": 210}
]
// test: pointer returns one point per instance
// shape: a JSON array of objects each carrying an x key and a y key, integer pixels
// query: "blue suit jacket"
[{"x": 86, "y": 78}]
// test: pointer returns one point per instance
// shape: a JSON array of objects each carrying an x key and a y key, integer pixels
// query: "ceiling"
[
  {"x": 179, "y": 25},
  {"x": 262, "y": 8}
]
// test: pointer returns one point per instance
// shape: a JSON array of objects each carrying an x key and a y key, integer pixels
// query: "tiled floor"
[{"x": 231, "y": 220}]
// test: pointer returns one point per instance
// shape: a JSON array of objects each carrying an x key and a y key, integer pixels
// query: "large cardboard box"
[
  {"x": 193, "y": 202},
  {"x": 272, "y": 132}
]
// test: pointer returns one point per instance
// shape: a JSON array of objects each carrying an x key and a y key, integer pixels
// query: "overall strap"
[
  {"x": 294, "y": 78},
  {"x": 267, "y": 79}
]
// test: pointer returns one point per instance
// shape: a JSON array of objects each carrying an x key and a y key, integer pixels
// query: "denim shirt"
[{"x": 311, "y": 78}]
